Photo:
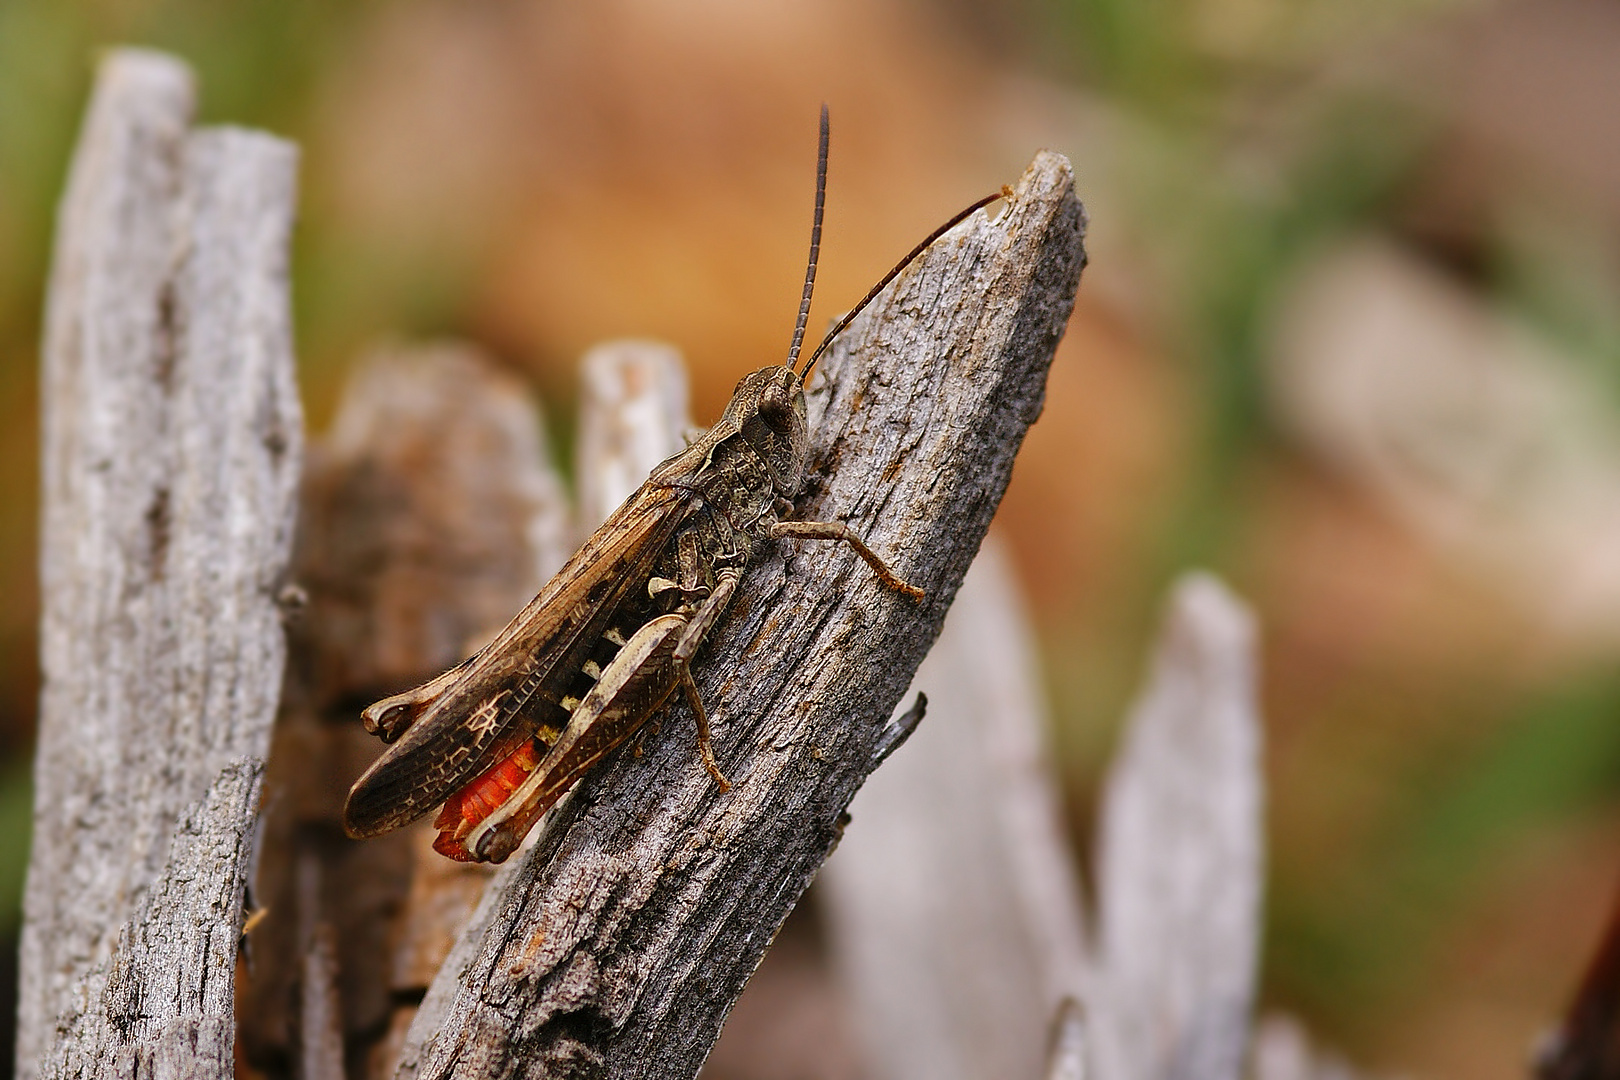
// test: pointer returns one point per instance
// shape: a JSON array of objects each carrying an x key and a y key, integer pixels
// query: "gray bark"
[
  {"x": 618, "y": 944},
  {"x": 172, "y": 437}
]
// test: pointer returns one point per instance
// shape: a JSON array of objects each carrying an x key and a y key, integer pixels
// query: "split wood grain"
[
  {"x": 617, "y": 946},
  {"x": 172, "y": 439}
]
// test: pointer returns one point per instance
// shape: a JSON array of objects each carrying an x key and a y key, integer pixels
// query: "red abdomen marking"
[{"x": 468, "y": 807}]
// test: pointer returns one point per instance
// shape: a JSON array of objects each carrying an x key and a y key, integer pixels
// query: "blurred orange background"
[{"x": 1350, "y": 336}]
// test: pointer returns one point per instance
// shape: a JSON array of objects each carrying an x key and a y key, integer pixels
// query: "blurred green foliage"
[
  {"x": 1249, "y": 167},
  {"x": 16, "y": 812},
  {"x": 1352, "y": 941},
  {"x": 1254, "y": 164},
  {"x": 1562, "y": 277},
  {"x": 257, "y": 59}
]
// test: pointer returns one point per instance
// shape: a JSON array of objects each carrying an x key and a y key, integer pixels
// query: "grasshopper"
[{"x": 502, "y": 736}]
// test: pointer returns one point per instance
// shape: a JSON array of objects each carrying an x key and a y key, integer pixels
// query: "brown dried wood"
[
  {"x": 172, "y": 437},
  {"x": 429, "y": 512},
  {"x": 617, "y": 946}
]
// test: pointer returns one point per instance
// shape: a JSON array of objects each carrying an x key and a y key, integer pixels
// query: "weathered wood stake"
[{"x": 172, "y": 437}]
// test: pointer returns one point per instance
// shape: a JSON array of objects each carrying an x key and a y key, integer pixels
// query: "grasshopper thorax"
[{"x": 767, "y": 412}]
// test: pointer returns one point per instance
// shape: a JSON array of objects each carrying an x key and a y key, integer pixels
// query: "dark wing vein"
[{"x": 542, "y": 647}]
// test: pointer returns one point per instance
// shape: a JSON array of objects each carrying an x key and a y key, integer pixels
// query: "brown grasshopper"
[{"x": 502, "y": 736}]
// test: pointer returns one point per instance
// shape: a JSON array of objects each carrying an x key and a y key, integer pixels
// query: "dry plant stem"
[
  {"x": 618, "y": 945},
  {"x": 172, "y": 437}
]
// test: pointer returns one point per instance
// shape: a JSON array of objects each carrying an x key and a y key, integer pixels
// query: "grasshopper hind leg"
[
  {"x": 705, "y": 745},
  {"x": 630, "y": 688},
  {"x": 627, "y": 692}
]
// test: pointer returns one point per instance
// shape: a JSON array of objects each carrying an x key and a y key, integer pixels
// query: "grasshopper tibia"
[{"x": 837, "y": 530}]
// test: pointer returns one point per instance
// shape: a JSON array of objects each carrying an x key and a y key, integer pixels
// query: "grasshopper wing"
[{"x": 466, "y": 722}]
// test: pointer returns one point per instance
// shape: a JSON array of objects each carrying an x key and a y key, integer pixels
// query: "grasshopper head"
[{"x": 768, "y": 410}]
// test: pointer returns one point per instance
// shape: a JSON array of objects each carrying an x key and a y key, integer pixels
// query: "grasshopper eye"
[{"x": 776, "y": 405}]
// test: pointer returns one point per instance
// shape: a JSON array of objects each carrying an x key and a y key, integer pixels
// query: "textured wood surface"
[
  {"x": 429, "y": 513},
  {"x": 616, "y": 947},
  {"x": 172, "y": 437}
]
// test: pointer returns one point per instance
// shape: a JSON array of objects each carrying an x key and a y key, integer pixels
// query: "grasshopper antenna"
[
  {"x": 815, "y": 242},
  {"x": 957, "y": 219}
]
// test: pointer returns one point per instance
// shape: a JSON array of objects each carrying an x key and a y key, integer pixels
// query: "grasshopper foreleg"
[
  {"x": 837, "y": 530},
  {"x": 705, "y": 747}
]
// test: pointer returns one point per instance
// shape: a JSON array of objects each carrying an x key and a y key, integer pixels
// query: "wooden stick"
[{"x": 172, "y": 438}]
